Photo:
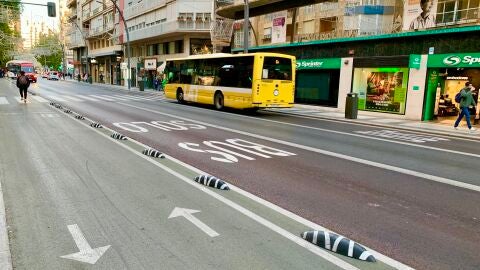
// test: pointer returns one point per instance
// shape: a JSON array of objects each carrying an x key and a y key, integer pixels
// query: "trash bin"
[
  {"x": 90, "y": 79},
  {"x": 351, "y": 106},
  {"x": 141, "y": 85}
]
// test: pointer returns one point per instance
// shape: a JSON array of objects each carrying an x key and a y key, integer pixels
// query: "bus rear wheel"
[
  {"x": 180, "y": 96},
  {"x": 219, "y": 101}
]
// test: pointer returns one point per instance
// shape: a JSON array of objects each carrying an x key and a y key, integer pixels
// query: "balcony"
[
  {"x": 159, "y": 29},
  {"x": 233, "y": 9},
  {"x": 76, "y": 41},
  {"x": 71, "y": 3},
  {"x": 100, "y": 30},
  {"x": 142, "y": 7}
]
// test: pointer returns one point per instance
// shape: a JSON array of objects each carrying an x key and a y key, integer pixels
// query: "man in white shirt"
[{"x": 425, "y": 19}]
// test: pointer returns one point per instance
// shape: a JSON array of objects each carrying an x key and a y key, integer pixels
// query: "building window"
[
  {"x": 179, "y": 46},
  {"x": 459, "y": 11},
  {"x": 150, "y": 50}
]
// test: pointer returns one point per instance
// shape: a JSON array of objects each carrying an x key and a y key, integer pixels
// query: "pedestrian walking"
[
  {"x": 466, "y": 101},
  {"x": 23, "y": 83}
]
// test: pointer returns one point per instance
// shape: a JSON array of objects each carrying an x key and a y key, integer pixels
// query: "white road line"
[
  {"x": 57, "y": 98},
  {"x": 296, "y": 239},
  {"x": 328, "y": 153},
  {"x": 72, "y": 98},
  {"x": 102, "y": 97},
  {"x": 39, "y": 98},
  {"x": 87, "y": 97},
  {"x": 5, "y": 256},
  {"x": 3, "y": 100}
]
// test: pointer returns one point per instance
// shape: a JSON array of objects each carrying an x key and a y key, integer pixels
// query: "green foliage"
[
  {"x": 6, "y": 32},
  {"x": 48, "y": 51}
]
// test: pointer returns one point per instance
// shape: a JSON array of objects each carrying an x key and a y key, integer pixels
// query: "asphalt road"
[{"x": 412, "y": 196}]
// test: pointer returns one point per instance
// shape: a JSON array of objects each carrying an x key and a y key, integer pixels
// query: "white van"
[{"x": 53, "y": 75}]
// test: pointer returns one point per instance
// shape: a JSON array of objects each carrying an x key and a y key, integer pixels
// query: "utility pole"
[
  {"x": 128, "y": 42},
  {"x": 245, "y": 27}
]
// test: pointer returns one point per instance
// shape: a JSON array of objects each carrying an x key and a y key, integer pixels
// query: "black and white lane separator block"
[
  {"x": 80, "y": 117},
  {"x": 58, "y": 106},
  {"x": 52, "y": 103},
  {"x": 96, "y": 125},
  {"x": 67, "y": 111},
  {"x": 118, "y": 136},
  {"x": 153, "y": 153},
  {"x": 338, "y": 244},
  {"x": 211, "y": 181}
]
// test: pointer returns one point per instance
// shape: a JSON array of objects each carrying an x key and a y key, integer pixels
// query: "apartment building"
[
  {"x": 406, "y": 58},
  {"x": 164, "y": 29},
  {"x": 92, "y": 38}
]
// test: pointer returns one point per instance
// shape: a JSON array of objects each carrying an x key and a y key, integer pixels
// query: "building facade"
[
  {"x": 160, "y": 30},
  {"x": 405, "y": 59}
]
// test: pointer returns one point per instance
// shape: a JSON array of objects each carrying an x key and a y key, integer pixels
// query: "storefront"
[
  {"x": 317, "y": 81},
  {"x": 381, "y": 83},
  {"x": 446, "y": 76}
]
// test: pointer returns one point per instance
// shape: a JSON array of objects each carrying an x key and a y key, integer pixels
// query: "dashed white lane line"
[{"x": 332, "y": 154}]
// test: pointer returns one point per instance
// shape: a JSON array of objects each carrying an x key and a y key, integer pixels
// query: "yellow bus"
[{"x": 240, "y": 81}]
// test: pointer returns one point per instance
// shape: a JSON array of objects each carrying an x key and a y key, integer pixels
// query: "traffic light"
[{"x": 51, "y": 9}]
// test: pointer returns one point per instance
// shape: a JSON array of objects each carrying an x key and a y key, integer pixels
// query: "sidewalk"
[{"x": 444, "y": 127}]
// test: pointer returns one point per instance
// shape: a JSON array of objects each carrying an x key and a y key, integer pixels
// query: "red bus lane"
[{"x": 345, "y": 196}]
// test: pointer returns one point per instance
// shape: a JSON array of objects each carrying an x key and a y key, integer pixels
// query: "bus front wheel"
[
  {"x": 218, "y": 100},
  {"x": 180, "y": 96}
]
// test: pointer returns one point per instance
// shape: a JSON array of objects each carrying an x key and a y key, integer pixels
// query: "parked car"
[
  {"x": 45, "y": 75},
  {"x": 53, "y": 75}
]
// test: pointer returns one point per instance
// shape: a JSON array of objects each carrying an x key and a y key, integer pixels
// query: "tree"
[
  {"x": 48, "y": 50},
  {"x": 9, "y": 37}
]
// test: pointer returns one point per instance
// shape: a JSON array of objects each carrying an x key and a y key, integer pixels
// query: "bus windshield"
[
  {"x": 27, "y": 69},
  {"x": 277, "y": 68}
]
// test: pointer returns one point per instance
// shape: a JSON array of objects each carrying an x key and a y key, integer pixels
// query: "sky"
[{"x": 38, "y": 14}]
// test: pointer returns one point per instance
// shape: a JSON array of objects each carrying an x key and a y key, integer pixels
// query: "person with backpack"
[
  {"x": 465, "y": 98},
  {"x": 23, "y": 83}
]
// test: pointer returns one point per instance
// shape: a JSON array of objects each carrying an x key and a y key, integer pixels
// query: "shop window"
[
  {"x": 381, "y": 89},
  {"x": 200, "y": 46},
  {"x": 150, "y": 50},
  {"x": 179, "y": 46}
]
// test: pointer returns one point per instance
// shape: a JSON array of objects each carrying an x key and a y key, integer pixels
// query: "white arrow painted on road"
[
  {"x": 86, "y": 253},
  {"x": 187, "y": 213}
]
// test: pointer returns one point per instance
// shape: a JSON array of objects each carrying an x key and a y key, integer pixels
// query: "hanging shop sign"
[
  {"x": 325, "y": 63},
  {"x": 454, "y": 60},
  {"x": 414, "y": 61},
  {"x": 150, "y": 64}
]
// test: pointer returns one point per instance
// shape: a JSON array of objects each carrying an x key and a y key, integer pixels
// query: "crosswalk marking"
[
  {"x": 81, "y": 98},
  {"x": 39, "y": 99},
  {"x": 409, "y": 137},
  {"x": 125, "y": 96},
  {"x": 73, "y": 98},
  {"x": 57, "y": 98},
  {"x": 87, "y": 98},
  {"x": 102, "y": 97}
]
